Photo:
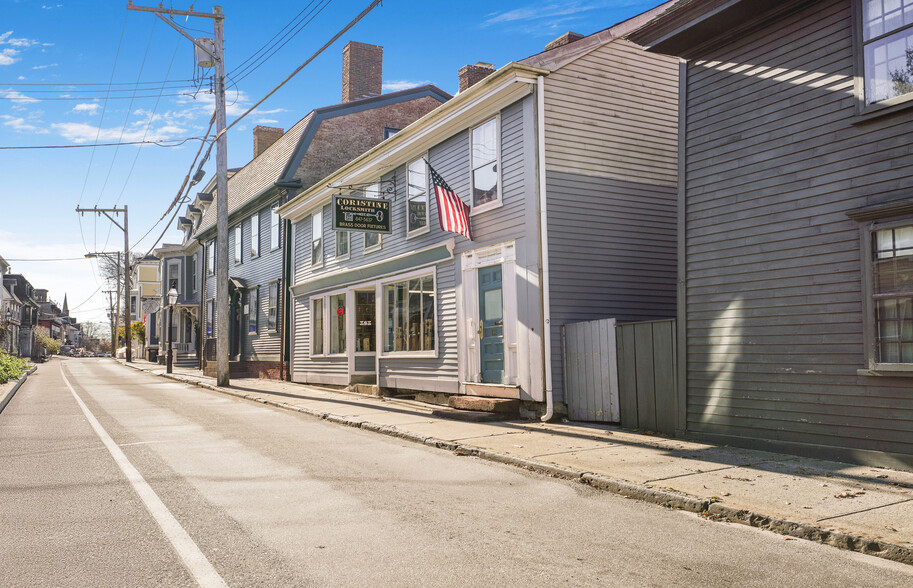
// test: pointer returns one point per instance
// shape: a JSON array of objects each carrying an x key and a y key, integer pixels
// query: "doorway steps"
[
  {"x": 185, "y": 360},
  {"x": 479, "y": 409}
]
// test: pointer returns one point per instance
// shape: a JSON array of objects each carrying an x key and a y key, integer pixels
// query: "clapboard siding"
[
  {"x": 450, "y": 158},
  {"x": 258, "y": 272},
  {"x": 611, "y": 153},
  {"x": 773, "y": 291}
]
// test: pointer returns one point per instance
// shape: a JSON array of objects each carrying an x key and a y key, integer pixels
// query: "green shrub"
[{"x": 11, "y": 367}]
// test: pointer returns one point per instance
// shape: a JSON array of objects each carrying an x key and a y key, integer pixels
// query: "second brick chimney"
[
  {"x": 470, "y": 75},
  {"x": 564, "y": 39},
  {"x": 264, "y": 137},
  {"x": 362, "y": 71}
]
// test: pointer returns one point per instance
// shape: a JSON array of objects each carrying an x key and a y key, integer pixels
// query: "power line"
[
  {"x": 98, "y": 84},
  {"x": 83, "y": 98},
  {"x": 160, "y": 143},
  {"x": 266, "y": 46},
  {"x": 48, "y": 259},
  {"x": 169, "y": 86}
]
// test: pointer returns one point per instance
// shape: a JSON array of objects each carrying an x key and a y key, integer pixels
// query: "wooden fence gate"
[
  {"x": 647, "y": 375},
  {"x": 590, "y": 371}
]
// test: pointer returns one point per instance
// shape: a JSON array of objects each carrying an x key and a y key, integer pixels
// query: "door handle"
[{"x": 480, "y": 331}]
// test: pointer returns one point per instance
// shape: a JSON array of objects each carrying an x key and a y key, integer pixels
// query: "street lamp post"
[{"x": 169, "y": 354}]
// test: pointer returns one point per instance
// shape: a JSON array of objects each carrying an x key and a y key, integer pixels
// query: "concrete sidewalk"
[{"x": 860, "y": 508}]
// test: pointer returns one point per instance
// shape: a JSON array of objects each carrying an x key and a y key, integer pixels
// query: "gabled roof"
[
  {"x": 280, "y": 160},
  {"x": 690, "y": 23},
  {"x": 561, "y": 56}
]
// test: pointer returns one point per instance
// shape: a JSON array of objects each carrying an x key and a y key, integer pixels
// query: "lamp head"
[{"x": 172, "y": 296}]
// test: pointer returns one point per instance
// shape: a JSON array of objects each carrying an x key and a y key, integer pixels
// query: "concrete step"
[
  {"x": 470, "y": 416},
  {"x": 485, "y": 404}
]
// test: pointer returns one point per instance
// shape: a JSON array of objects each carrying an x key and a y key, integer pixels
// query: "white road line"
[{"x": 197, "y": 564}]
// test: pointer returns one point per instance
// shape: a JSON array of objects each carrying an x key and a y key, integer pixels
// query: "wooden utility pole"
[
  {"x": 217, "y": 52},
  {"x": 112, "y": 316},
  {"x": 127, "y": 338}
]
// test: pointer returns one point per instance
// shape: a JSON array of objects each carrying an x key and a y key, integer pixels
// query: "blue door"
[{"x": 491, "y": 325}]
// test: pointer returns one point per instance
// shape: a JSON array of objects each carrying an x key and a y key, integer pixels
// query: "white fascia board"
[{"x": 515, "y": 82}]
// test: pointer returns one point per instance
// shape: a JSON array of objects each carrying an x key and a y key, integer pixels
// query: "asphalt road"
[{"x": 132, "y": 480}]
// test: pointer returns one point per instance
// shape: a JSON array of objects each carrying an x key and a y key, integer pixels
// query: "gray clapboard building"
[
  {"x": 320, "y": 142},
  {"x": 568, "y": 161},
  {"x": 796, "y": 223}
]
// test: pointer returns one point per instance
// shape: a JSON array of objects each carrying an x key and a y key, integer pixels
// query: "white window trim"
[
  {"x": 269, "y": 299},
  {"x": 211, "y": 258},
  {"x": 862, "y": 105},
  {"x": 382, "y": 325},
  {"x": 499, "y": 202},
  {"x": 255, "y": 222},
  {"x": 171, "y": 263},
  {"x": 320, "y": 263},
  {"x": 335, "y": 245},
  {"x": 325, "y": 338},
  {"x": 273, "y": 212},
  {"x": 238, "y": 236},
  {"x": 253, "y": 311},
  {"x": 329, "y": 316},
  {"x": 427, "y": 227}
]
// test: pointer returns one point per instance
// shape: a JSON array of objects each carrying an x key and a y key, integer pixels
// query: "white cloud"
[
  {"x": 266, "y": 121},
  {"x": 273, "y": 111},
  {"x": 543, "y": 17},
  {"x": 7, "y": 39},
  {"x": 85, "y": 133},
  {"x": 17, "y": 97},
  {"x": 89, "y": 107},
  {"x": 397, "y": 85},
  {"x": 44, "y": 66},
  {"x": 21, "y": 78},
  {"x": 205, "y": 104},
  {"x": 20, "y": 125},
  {"x": 8, "y": 56}
]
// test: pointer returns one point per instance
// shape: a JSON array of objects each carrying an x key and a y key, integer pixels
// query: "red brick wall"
[
  {"x": 341, "y": 139},
  {"x": 362, "y": 70}
]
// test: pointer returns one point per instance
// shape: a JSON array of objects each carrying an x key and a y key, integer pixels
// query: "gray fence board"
[
  {"x": 590, "y": 371},
  {"x": 647, "y": 375}
]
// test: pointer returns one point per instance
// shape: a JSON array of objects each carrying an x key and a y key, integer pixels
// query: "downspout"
[
  {"x": 201, "y": 335},
  {"x": 543, "y": 253}
]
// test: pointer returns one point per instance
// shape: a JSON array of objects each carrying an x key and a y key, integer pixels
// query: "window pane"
[
  {"x": 273, "y": 311},
  {"x": 894, "y": 327},
  {"x": 417, "y": 207},
  {"x": 238, "y": 244},
  {"x": 484, "y": 143},
  {"x": 364, "y": 321},
  {"x": 371, "y": 240},
  {"x": 428, "y": 314},
  {"x": 485, "y": 184},
  {"x": 409, "y": 312},
  {"x": 893, "y": 263},
  {"x": 338, "y": 323},
  {"x": 883, "y": 16},
  {"x": 889, "y": 67},
  {"x": 418, "y": 213},
  {"x": 417, "y": 183},
  {"x": 342, "y": 243},
  {"x": 317, "y": 238},
  {"x": 254, "y": 311},
  {"x": 255, "y": 235},
  {"x": 274, "y": 228},
  {"x": 317, "y": 333}
]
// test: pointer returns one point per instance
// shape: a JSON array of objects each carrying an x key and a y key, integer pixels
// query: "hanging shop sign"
[{"x": 365, "y": 215}]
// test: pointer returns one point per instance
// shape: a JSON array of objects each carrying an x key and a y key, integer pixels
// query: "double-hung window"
[
  {"x": 211, "y": 258},
  {"x": 317, "y": 320},
  {"x": 337, "y": 324},
  {"x": 887, "y": 48},
  {"x": 485, "y": 175},
  {"x": 409, "y": 314},
  {"x": 253, "y": 316},
  {"x": 317, "y": 239},
  {"x": 417, "y": 201},
  {"x": 372, "y": 240},
  {"x": 210, "y": 316},
  {"x": 238, "y": 244},
  {"x": 342, "y": 244},
  {"x": 274, "y": 227},
  {"x": 273, "y": 306},
  {"x": 255, "y": 235}
]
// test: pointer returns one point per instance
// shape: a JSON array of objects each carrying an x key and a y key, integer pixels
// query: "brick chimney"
[
  {"x": 264, "y": 137},
  {"x": 362, "y": 71},
  {"x": 564, "y": 39},
  {"x": 470, "y": 75}
]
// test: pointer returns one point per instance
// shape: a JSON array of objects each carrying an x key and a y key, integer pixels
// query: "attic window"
[{"x": 390, "y": 131}]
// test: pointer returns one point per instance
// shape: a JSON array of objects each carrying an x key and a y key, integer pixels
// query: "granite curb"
[
  {"x": 16, "y": 386},
  {"x": 711, "y": 508}
]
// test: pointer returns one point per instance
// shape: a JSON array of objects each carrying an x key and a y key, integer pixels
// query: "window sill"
[
  {"x": 343, "y": 257},
  {"x": 409, "y": 355},
  {"x": 418, "y": 232},
  {"x": 486, "y": 207},
  {"x": 373, "y": 248},
  {"x": 901, "y": 370},
  {"x": 889, "y": 107}
]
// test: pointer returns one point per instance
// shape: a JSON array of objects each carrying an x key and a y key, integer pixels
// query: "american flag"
[{"x": 451, "y": 211}]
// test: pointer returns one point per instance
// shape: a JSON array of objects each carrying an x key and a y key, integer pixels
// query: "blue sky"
[{"x": 58, "y": 57}]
